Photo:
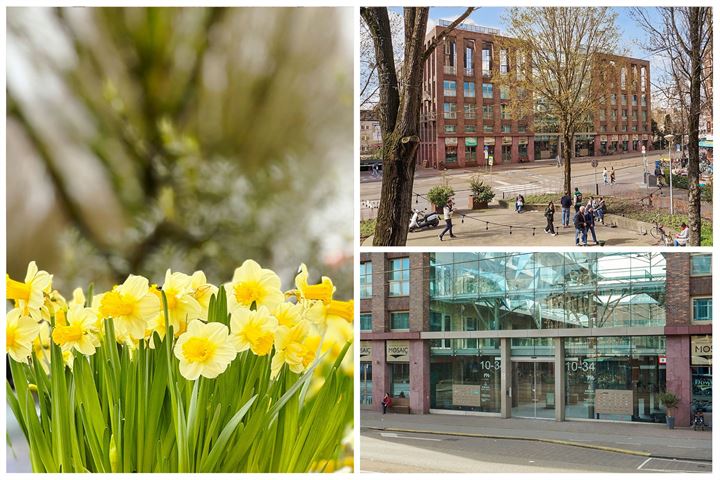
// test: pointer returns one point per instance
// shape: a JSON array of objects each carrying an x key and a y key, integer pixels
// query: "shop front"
[
  {"x": 701, "y": 372},
  {"x": 366, "y": 381},
  {"x": 397, "y": 354}
]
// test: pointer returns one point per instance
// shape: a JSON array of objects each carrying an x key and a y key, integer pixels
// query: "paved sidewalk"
[{"x": 642, "y": 439}]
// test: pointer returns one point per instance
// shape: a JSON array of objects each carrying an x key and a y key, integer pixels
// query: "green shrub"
[
  {"x": 481, "y": 191},
  {"x": 440, "y": 194}
]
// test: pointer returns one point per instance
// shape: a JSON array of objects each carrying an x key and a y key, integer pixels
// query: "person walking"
[
  {"x": 612, "y": 175},
  {"x": 580, "y": 231},
  {"x": 605, "y": 175},
  {"x": 565, "y": 204},
  {"x": 447, "y": 215},
  {"x": 590, "y": 224},
  {"x": 601, "y": 210},
  {"x": 578, "y": 199},
  {"x": 550, "y": 215},
  {"x": 386, "y": 402}
]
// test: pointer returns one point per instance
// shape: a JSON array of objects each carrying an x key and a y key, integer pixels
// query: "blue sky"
[{"x": 632, "y": 34}]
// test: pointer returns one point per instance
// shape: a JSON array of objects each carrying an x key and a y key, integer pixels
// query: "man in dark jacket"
[
  {"x": 566, "y": 203},
  {"x": 590, "y": 223},
  {"x": 580, "y": 230}
]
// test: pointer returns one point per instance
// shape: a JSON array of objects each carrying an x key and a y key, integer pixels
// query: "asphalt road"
[{"x": 396, "y": 452}]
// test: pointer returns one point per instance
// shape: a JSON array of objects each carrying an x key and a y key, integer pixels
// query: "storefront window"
[
  {"x": 399, "y": 277},
  {"x": 701, "y": 370},
  {"x": 366, "y": 386},
  {"x": 467, "y": 376},
  {"x": 400, "y": 380},
  {"x": 366, "y": 280}
]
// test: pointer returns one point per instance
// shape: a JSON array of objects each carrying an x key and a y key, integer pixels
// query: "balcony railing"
[{"x": 450, "y": 70}]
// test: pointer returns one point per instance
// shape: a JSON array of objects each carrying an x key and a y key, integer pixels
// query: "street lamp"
[{"x": 669, "y": 138}]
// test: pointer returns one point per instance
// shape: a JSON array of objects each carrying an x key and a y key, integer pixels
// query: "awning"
[{"x": 706, "y": 144}]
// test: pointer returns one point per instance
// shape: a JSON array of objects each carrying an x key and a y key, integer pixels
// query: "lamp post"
[{"x": 669, "y": 138}]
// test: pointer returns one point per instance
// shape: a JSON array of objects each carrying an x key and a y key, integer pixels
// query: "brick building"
[
  {"x": 463, "y": 114},
  {"x": 370, "y": 134},
  {"x": 545, "y": 335}
]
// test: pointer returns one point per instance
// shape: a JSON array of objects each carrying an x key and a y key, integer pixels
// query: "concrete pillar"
[
  {"x": 419, "y": 376},
  {"x": 381, "y": 374},
  {"x": 505, "y": 379},
  {"x": 559, "y": 380}
]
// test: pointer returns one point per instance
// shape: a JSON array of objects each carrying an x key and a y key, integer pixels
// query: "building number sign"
[{"x": 577, "y": 366}]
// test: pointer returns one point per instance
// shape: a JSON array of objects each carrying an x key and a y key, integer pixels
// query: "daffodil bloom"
[
  {"x": 322, "y": 291},
  {"x": 29, "y": 295},
  {"x": 338, "y": 333},
  {"x": 315, "y": 312},
  {"x": 253, "y": 329},
  {"x": 344, "y": 310},
  {"x": 131, "y": 306},
  {"x": 182, "y": 306},
  {"x": 202, "y": 291},
  {"x": 252, "y": 284},
  {"x": 41, "y": 346},
  {"x": 288, "y": 314},
  {"x": 294, "y": 347},
  {"x": 20, "y": 331},
  {"x": 204, "y": 349},
  {"x": 80, "y": 332}
]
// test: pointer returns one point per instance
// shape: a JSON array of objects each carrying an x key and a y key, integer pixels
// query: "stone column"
[
  {"x": 381, "y": 374},
  {"x": 678, "y": 377},
  {"x": 505, "y": 379},
  {"x": 380, "y": 291},
  {"x": 559, "y": 380},
  {"x": 419, "y": 376}
]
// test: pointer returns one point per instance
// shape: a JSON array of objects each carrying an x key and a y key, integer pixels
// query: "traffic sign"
[{"x": 594, "y": 163}]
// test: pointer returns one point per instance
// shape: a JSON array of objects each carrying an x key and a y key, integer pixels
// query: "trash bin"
[{"x": 651, "y": 180}]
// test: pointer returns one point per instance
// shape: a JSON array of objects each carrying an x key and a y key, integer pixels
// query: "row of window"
[
  {"x": 450, "y": 89},
  {"x": 399, "y": 321}
]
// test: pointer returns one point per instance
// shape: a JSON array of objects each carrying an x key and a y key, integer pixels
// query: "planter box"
[{"x": 475, "y": 204}]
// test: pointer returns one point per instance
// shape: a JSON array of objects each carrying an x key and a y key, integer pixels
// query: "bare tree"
[
  {"x": 400, "y": 97},
  {"x": 564, "y": 68},
  {"x": 684, "y": 37}
]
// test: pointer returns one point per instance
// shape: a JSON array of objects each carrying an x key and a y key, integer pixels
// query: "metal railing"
[{"x": 470, "y": 28}]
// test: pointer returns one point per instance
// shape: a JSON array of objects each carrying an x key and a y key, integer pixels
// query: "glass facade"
[
  {"x": 465, "y": 375},
  {"x": 547, "y": 290},
  {"x": 629, "y": 368},
  {"x": 366, "y": 386},
  {"x": 400, "y": 379}
]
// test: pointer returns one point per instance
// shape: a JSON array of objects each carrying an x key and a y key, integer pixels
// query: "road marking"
[
  {"x": 643, "y": 464},
  {"x": 397, "y": 435}
]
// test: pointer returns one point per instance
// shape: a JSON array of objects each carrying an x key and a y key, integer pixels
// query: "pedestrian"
[
  {"x": 612, "y": 175},
  {"x": 386, "y": 402},
  {"x": 550, "y": 215},
  {"x": 601, "y": 210},
  {"x": 580, "y": 231},
  {"x": 589, "y": 203},
  {"x": 558, "y": 161},
  {"x": 682, "y": 237},
  {"x": 519, "y": 203},
  {"x": 447, "y": 214},
  {"x": 565, "y": 204},
  {"x": 590, "y": 224},
  {"x": 578, "y": 199},
  {"x": 605, "y": 175}
]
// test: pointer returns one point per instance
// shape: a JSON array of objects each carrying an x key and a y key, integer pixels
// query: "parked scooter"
[{"x": 420, "y": 221}]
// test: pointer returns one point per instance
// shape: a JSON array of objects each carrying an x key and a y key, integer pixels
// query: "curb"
[{"x": 638, "y": 453}]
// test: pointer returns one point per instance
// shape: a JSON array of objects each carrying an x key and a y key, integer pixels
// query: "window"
[
  {"x": 400, "y": 379},
  {"x": 702, "y": 309},
  {"x": 613, "y": 115},
  {"x": 700, "y": 265},
  {"x": 634, "y": 100},
  {"x": 487, "y": 90},
  {"x": 644, "y": 115},
  {"x": 624, "y": 114},
  {"x": 623, "y": 99},
  {"x": 450, "y": 110},
  {"x": 449, "y": 88},
  {"x": 506, "y": 128},
  {"x": 613, "y": 99},
  {"x": 504, "y": 68},
  {"x": 366, "y": 322},
  {"x": 469, "y": 63},
  {"x": 486, "y": 59},
  {"x": 623, "y": 77},
  {"x": 450, "y": 128},
  {"x": 642, "y": 78},
  {"x": 399, "y": 321},
  {"x": 487, "y": 112},
  {"x": 634, "y": 115},
  {"x": 522, "y": 128},
  {"x": 469, "y": 111},
  {"x": 602, "y": 115},
  {"x": 450, "y": 52},
  {"x": 504, "y": 93},
  {"x": 470, "y": 129},
  {"x": 470, "y": 89},
  {"x": 504, "y": 112},
  {"x": 643, "y": 100},
  {"x": 399, "y": 277},
  {"x": 487, "y": 128},
  {"x": 366, "y": 280}
]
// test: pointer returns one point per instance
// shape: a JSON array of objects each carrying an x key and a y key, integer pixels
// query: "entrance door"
[{"x": 533, "y": 389}]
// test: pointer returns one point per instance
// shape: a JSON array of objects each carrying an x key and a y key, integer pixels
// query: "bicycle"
[{"x": 659, "y": 233}]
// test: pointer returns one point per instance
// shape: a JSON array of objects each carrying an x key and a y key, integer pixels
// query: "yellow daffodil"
[
  {"x": 41, "y": 346},
  {"x": 20, "y": 331},
  {"x": 338, "y": 333},
  {"x": 131, "y": 306},
  {"x": 252, "y": 284},
  {"x": 252, "y": 329},
  {"x": 202, "y": 291},
  {"x": 288, "y": 314},
  {"x": 80, "y": 332},
  {"x": 294, "y": 347},
  {"x": 315, "y": 312},
  {"x": 182, "y": 305},
  {"x": 29, "y": 295},
  {"x": 322, "y": 291},
  {"x": 344, "y": 310},
  {"x": 204, "y": 349}
]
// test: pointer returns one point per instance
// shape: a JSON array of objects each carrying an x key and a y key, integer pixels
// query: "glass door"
[{"x": 533, "y": 389}]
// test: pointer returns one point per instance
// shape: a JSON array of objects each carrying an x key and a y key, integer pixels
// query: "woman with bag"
[{"x": 550, "y": 215}]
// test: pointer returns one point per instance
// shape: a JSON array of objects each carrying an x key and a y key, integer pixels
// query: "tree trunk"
[
  {"x": 566, "y": 155},
  {"x": 694, "y": 219}
]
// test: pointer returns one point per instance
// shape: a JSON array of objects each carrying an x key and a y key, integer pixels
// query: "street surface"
[{"x": 410, "y": 452}]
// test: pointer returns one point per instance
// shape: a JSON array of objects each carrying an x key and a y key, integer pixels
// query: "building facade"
[
  {"x": 370, "y": 135},
  {"x": 544, "y": 335},
  {"x": 464, "y": 115}
]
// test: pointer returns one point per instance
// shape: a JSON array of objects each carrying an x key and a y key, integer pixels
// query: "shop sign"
[
  {"x": 489, "y": 141},
  {"x": 701, "y": 350},
  {"x": 614, "y": 138},
  {"x": 471, "y": 141},
  {"x": 645, "y": 137},
  {"x": 397, "y": 350},
  {"x": 603, "y": 138},
  {"x": 365, "y": 351},
  {"x": 450, "y": 140},
  {"x": 614, "y": 402},
  {"x": 507, "y": 140},
  {"x": 662, "y": 360},
  {"x": 466, "y": 395},
  {"x": 625, "y": 138},
  {"x": 522, "y": 141},
  {"x": 635, "y": 137}
]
